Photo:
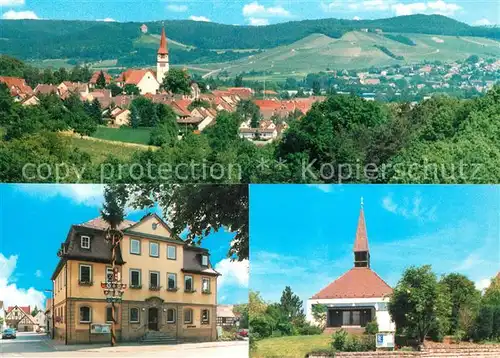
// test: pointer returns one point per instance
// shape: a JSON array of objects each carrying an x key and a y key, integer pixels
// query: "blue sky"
[
  {"x": 34, "y": 221},
  {"x": 247, "y": 12},
  {"x": 302, "y": 235}
]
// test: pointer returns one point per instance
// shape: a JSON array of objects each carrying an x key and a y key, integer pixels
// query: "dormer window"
[
  {"x": 85, "y": 242},
  {"x": 204, "y": 260}
]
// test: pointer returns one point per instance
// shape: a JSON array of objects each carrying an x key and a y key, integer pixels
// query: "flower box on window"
[
  {"x": 155, "y": 288},
  {"x": 85, "y": 283}
]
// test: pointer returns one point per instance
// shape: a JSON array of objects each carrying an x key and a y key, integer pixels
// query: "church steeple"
[
  {"x": 162, "y": 50},
  {"x": 361, "y": 251},
  {"x": 162, "y": 62}
]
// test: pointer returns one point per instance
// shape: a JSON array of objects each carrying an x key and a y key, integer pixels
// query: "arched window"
[
  {"x": 134, "y": 315},
  {"x": 188, "y": 316},
  {"x": 170, "y": 315},
  {"x": 85, "y": 314}
]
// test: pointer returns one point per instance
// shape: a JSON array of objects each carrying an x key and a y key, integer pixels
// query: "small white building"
[{"x": 358, "y": 296}]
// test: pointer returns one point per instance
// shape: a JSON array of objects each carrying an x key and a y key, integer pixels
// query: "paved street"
[{"x": 39, "y": 345}]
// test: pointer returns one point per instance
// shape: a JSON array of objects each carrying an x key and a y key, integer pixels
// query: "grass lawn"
[
  {"x": 128, "y": 135},
  {"x": 290, "y": 347},
  {"x": 100, "y": 150}
]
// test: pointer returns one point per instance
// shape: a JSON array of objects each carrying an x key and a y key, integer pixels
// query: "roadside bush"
[
  {"x": 339, "y": 340},
  {"x": 484, "y": 323},
  {"x": 309, "y": 330},
  {"x": 496, "y": 322},
  {"x": 262, "y": 326},
  {"x": 284, "y": 328},
  {"x": 371, "y": 327}
]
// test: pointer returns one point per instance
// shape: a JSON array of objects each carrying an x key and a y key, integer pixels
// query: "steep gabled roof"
[{"x": 358, "y": 282}]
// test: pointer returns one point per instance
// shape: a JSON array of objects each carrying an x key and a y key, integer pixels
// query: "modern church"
[{"x": 358, "y": 296}]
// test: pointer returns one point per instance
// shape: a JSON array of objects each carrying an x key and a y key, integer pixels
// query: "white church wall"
[
  {"x": 148, "y": 84},
  {"x": 380, "y": 305}
]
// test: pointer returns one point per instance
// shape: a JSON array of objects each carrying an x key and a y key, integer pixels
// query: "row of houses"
[{"x": 20, "y": 318}]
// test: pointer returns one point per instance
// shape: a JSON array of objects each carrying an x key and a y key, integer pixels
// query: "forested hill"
[{"x": 40, "y": 39}]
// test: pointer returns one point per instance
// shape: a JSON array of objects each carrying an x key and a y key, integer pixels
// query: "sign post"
[
  {"x": 385, "y": 340},
  {"x": 112, "y": 287}
]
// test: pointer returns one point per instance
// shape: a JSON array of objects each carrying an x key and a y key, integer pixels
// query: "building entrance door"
[{"x": 153, "y": 319}]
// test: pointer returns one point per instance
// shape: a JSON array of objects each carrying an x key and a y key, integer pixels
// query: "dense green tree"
[
  {"x": 319, "y": 312},
  {"x": 177, "y": 81},
  {"x": 418, "y": 303},
  {"x": 115, "y": 89},
  {"x": 35, "y": 311},
  {"x": 115, "y": 201},
  {"x": 101, "y": 80},
  {"x": 249, "y": 111},
  {"x": 291, "y": 305},
  {"x": 131, "y": 89},
  {"x": 238, "y": 81},
  {"x": 199, "y": 103},
  {"x": 204, "y": 209},
  {"x": 463, "y": 296},
  {"x": 167, "y": 130},
  {"x": 316, "y": 88}
]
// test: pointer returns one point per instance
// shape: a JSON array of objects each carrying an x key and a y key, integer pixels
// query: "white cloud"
[
  {"x": 10, "y": 293},
  {"x": 177, "y": 8},
  {"x": 11, "y": 2},
  {"x": 258, "y": 22},
  {"x": 331, "y": 6},
  {"x": 431, "y": 7},
  {"x": 356, "y": 18},
  {"x": 199, "y": 18},
  {"x": 232, "y": 273},
  {"x": 255, "y": 9},
  {"x": 482, "y": 22},
  {"x": 483, "y": 284},
  {"x": 410, "y": 209},
  {"x": 82, "y": 194},
  {"x": 19, "y": 15},
  {"x": 327, "y": 188},
  {"x": 408, "y": 9},
  {"x": 38, "y": 273},
  {"x": 107, "y": 19}
]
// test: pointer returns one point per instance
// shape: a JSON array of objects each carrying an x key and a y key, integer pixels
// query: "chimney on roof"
[{"x": 361, "y": 250}]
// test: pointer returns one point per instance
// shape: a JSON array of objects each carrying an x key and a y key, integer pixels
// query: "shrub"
[
  {"x": 371, "y": 327},
  {"x": 459, "y": 336},
  {"x": 339, "y": 340},
  {"x": 322, "y": 351},
  {"x": 309, "y": 330},
  {"x": 496, "y": 322},
  {"x": 484, "y": 323},
  {"x": 262, "y": 326}
]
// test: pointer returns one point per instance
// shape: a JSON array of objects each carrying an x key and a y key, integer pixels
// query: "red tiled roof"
[
  {"x": 26, "y": 309},
  {"x": 358, "y": 282},
  {"x": 100, "y": 224},
  {"x": 361, "y": 241},
  {"x": 242, "y": 92},
  {"x": 45, "y": 89},
  {"x": 16, "y": 85},
  {"x": 133, "y": 76},
  {"x": 163, "y": 43},
  {"x": 96, "y": 74}
]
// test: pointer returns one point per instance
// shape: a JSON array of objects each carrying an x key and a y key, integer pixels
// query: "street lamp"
[{"x": 52, "y": 313}]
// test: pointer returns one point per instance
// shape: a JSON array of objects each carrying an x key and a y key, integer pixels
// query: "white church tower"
[{"x": 162, "y": 65}]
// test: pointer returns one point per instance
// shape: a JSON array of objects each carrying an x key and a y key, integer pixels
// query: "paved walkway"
[{"x": 39, "y": 345}]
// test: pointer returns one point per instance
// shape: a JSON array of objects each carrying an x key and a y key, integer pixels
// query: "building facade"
[
  {"x": 171, "y": 286},
  {"x": 358, "y": 296},
  {"x": 20, "y": 318}
]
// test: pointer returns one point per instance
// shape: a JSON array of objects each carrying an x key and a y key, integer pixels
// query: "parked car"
[{"x": 8, "y": 333}]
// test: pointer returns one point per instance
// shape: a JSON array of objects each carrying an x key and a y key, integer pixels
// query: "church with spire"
[
  {"x": 162, "y": 61},
  {"x": 359, "y": 295}
]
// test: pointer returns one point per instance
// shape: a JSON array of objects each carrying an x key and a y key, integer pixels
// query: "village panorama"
[{"x": 401, "y": 120}]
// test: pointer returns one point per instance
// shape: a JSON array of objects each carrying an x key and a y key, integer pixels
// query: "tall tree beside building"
[
  {"x": 249, "y": 111},
  {"x": 418, "y": 303},
  {"x": 113, "y": 208},
  {"x": 291, "y": 305},
  {"x": 177, "y": 81},
  {"x": 203, "y": 209},
  {"x": 101, "y": 81},
  {"x": 238, "y": 81}
]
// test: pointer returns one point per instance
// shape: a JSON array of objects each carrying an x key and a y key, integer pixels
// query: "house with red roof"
[
  {"x": 95, "y": 77},
  {"x": 20, "y": 318},
  {"x": 17, "y": 86},
  {"x": 358, "y": 296},
  {"x": 144, "y": 79}
]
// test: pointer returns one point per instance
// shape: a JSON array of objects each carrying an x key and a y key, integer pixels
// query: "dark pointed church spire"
[
  {"x": 361, "y": 251},
  {"x": 162, "y": 50}
]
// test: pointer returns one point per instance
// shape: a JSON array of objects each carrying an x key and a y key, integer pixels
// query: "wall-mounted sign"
[
  {"x": 100, "y": 328},
  {"x": 385, "y": 340}
]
